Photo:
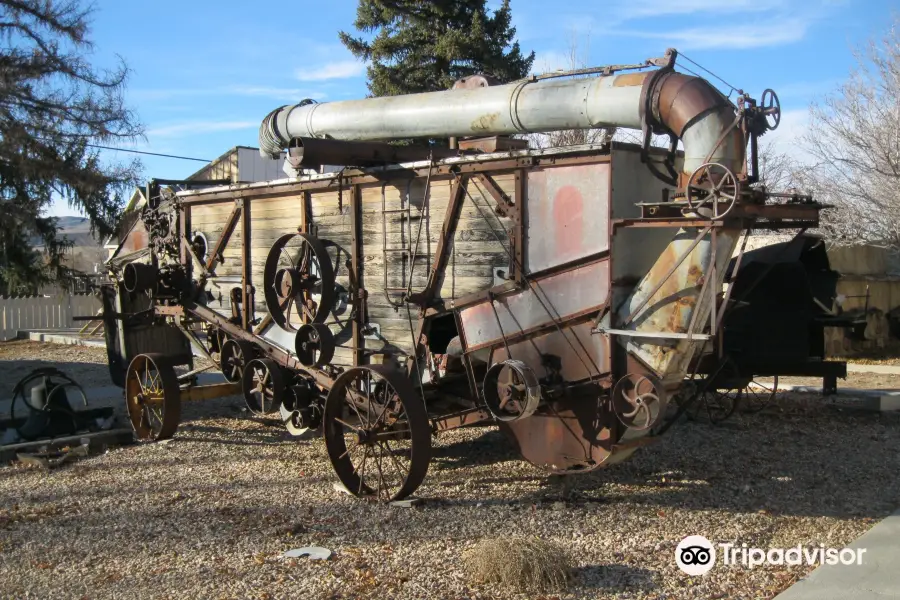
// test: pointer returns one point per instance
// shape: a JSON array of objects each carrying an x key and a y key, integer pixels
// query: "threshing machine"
[{"x": 562, "y": 294}]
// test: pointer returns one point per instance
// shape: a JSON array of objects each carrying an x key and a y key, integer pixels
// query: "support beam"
[
  {"x": 359, "y": 300},
  {"x": 247, "y": 315},
  {"x": 215, "y": 256},
  {"x": 444, "y": 245}
]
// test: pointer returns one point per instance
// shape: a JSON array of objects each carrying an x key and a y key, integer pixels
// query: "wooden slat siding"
[{"x": 474, "y": 255}]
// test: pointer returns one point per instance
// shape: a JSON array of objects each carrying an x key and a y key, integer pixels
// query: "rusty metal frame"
[
  {"x": 662, "y": 280},
  {"x": 356, "y": 248},
  {"x": 444, "y": 244},
  {"x": 247, "y": 303},
  {"x": 359, "y": 177},
  {"x": 519, "y": 228}
]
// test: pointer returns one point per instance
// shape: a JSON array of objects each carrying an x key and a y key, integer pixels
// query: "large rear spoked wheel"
[
  {"x": 153, "y": 397},
  {"x": 377, "y": 433}
]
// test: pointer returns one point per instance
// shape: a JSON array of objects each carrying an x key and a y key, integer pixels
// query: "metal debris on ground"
[{"x": 313, "y": 552}]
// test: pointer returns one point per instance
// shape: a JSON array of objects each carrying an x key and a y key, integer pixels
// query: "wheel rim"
[
  {"x": 298, "y": 281},
  {"x": 233, "y": 359},
  {"x": 152, "y": 397},
  {"x": 377, "y": 433},
  {"x": 263, "y": 385},
  {"x": 758, "y": 396}
]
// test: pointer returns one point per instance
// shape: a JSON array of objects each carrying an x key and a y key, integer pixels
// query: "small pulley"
[
  {"x": 314, "y": 344},
  {"x": 299, "y": 281},
  {"x": 712, "y": 191},
  {"x": 302, "y": 408},
  {"x": 234, "y": 357},
  {"x": 639, "y": 401},
  {"x": 263, "y": 386},
  {"x": 511, "y": 390}
]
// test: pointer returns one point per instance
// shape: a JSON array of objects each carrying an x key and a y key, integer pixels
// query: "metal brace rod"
[{"x": 665, "y": 278}]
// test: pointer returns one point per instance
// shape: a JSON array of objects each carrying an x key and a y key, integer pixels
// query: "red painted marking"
[{"x": 568, "y": 222}]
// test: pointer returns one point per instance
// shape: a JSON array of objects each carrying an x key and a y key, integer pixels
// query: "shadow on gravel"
[
  {"x": 820, "y": 461},
  {"x": 615, "y": 577},
  {"x": 86, "y": 374},
  {"x": 489, "y": 448},
  {"x": 825, "y": 463}
]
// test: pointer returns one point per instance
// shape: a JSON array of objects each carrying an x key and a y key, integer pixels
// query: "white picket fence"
[{"x": 44, "y": 312}]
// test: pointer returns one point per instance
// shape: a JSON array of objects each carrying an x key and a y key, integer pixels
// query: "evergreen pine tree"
[
  {"x": 53, "y": 107},
  {"x": 427, "y": 46}
]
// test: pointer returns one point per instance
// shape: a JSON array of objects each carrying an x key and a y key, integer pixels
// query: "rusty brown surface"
[
  {"x": 630, "y": 79},
  {"x": 682, "y": 98}
]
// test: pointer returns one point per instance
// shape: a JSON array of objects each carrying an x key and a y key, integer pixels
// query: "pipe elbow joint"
[{"x": 271, "y": 140}]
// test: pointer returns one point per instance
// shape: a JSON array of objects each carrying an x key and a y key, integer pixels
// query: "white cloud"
[
  {"x": 635, "y": 9},
  {"x": 788, "y": 138},
  {"x": 335, "y": 70},
  {"x": 739, "y": 37},
  {"x": 546, "y": 62},
  {"x": 234, "y": 90},
  {"x": 274, "y": 92},
  {"x": 192, "y": 127}
]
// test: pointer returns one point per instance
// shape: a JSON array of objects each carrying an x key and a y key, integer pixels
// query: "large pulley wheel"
[
  {"x": 639, "y": 401},
  {"x": 152, "y": 397},
  {"x": 712, "y": 191},
  {"x": 377, "y": 433},
  {"x": 299, "y": 281},
  {"x": 234, "y": 358},
  {"x": 511, "y": 390},
  {"x": 263, "y": 386},
  {"x": 314, "y": 345}
]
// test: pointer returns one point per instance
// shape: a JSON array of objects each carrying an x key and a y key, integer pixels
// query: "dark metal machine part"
[{"x": 563, "y": 294}]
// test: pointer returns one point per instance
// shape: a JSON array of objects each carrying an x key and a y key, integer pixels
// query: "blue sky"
[{"x": 206, "y": 72}]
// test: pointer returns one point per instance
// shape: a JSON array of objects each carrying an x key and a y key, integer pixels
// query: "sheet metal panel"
[
  {"x": 565, "y": 295},
  {"x": 567, "y": 212}
]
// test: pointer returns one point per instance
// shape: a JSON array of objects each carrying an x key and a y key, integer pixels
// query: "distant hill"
[
  {"x": 87, "y": 253},
  {"x": 77, "y": 229}
]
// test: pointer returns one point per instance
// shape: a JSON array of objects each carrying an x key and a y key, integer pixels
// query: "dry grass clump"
[{"x": 525, "y": 564}]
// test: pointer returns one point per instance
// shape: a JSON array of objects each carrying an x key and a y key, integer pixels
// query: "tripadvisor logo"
[{"x": 696, "y": 555}]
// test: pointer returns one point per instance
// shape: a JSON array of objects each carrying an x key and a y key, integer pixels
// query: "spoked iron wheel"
[
  {"x": 758, "y": 396},
  {"x": 716, "y": 397},
  {"x": 377, "y": 433},
  {"x": 234, "y": 357},
  {"x": 298, "y": 281},
  {"x": 263, "y": 385},
  {"x": 152, "y": 397}
]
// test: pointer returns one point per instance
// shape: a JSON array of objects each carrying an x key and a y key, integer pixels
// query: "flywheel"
[{"x": 299, "y": 281}]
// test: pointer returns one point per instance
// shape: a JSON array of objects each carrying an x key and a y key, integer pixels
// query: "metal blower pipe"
[
  {"x": 312, "y": 152},
  {"x": 687, "y": 106}
]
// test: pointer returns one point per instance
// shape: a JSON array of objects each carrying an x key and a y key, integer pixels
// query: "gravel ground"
[
  {"x": 87, "y": 365},
  {"x": 208, "y": 514}
]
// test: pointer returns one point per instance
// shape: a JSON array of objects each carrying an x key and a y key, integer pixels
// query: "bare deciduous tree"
[
  {"x": 854, "y": 138},
  {"x": 575, "y": 57}
]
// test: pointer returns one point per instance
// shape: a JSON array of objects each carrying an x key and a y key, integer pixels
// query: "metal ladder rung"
[{"x": 394, "y": 211}]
